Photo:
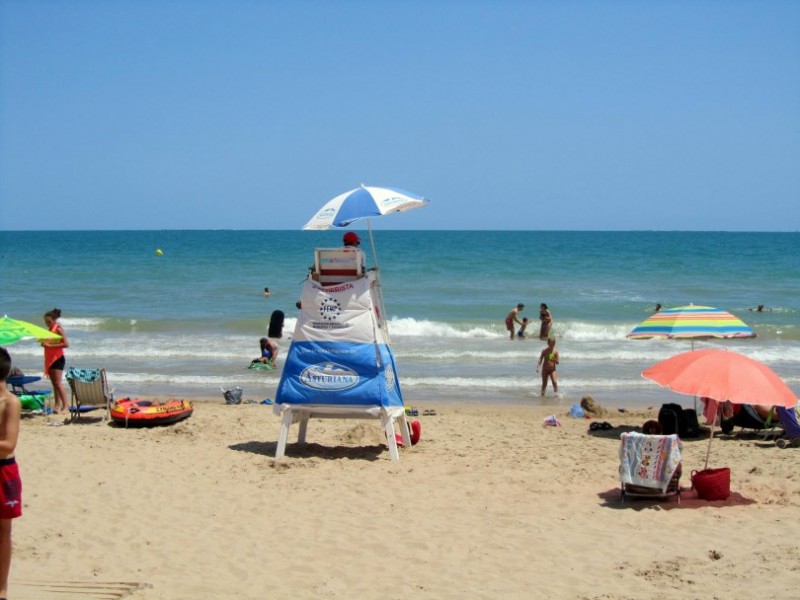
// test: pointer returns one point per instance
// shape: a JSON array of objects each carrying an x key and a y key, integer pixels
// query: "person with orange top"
[{"x": 54, "y": 360}]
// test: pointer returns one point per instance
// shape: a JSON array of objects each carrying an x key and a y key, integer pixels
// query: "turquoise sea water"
[{"x": 188, "y": 322}]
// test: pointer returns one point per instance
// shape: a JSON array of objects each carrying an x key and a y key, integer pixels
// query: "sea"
[{"x": 186, "y": 321}]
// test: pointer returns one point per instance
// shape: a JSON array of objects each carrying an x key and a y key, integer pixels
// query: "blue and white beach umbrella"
[{"x": 362, "y": 203}]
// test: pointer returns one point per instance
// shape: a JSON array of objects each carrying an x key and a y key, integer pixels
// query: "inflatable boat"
[{"x": 135, "y": 412}]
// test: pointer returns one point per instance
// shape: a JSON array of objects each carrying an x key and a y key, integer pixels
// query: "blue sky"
[{"x": 506, "y": 115}]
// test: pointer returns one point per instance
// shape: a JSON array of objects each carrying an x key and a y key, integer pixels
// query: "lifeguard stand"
[{"x": 340, "y": 364}]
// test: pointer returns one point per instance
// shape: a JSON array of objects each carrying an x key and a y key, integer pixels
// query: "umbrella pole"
[
  {"x": 372, "y": 245},
  {"x": 711, "y": 431},
  {"x": 381, "y": 306},
  {"x": 695, "y": 398}
]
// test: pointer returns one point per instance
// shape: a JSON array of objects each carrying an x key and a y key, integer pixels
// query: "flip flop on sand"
[{"x": 429, "y": 412}]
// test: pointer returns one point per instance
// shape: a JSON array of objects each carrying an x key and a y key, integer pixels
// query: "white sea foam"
[
  {"x": 85, "y": 323},
  {"x": 515, "y": 383},
  {"x": 566, "y": 330},
  {"x": 400, "y": 327}
]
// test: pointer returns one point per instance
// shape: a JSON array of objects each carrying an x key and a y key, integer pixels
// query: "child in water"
[
  {"x": 548, "y": 360},
  {"x": 525, "y": 322}
]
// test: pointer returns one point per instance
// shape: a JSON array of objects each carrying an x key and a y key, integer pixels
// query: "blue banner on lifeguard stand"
[{"x": 339, "y": 354}]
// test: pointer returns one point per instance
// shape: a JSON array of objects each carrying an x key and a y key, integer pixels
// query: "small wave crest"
[
  {"x": 567, "y": 330},
  {"x": 583, "y": 331},
  {"x": 516, "y": 383},
  {"x": 86, "y": 323},
  {"x": 425, "y": 328}
]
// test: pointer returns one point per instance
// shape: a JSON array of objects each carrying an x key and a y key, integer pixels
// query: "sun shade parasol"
[
  {"x": 691, "y": 322},
  {"x": 362, "y": 203},
  {"x": 13, "y": 330},
  {"x": 722, "y": 375}
]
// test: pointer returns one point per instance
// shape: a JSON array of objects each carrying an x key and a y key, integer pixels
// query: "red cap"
[{"x": 351, "y": 239}]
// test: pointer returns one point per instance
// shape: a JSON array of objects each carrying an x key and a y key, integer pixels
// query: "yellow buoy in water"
[{"x": 159, "y": 252}]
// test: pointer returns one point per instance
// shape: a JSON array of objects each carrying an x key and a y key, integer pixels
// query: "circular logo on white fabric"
[
  {"x": 329, "y": 308},
  {"x": 390, "y": 377}
]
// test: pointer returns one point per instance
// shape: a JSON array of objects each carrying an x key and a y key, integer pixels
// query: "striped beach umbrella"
[
  {"x": 362, "y": 203},
  {"x": 691, "y": 322}
]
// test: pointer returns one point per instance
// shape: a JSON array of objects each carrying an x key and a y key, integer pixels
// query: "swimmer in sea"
[{"x": 759, "y": 308}]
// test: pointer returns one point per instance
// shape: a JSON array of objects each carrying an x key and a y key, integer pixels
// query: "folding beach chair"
[
  {"x": 33, "y": 402},
  {"x": 750, "y": 421},
  {"x": 90, "y": 392},
  {"x": 650, "y": 466}
]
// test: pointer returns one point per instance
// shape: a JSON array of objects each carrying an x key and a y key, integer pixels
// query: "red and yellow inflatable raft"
[{"x": 135, "y": 412}]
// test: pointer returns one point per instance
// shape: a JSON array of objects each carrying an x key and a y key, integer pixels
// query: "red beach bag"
[{"x": 712, "y": 484}]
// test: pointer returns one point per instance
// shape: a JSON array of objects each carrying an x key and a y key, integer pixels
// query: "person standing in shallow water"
[
  {"x": 513, "y": 317},
  {"x": 547, "y": 321},
  {"x": 548, "y": 361}
]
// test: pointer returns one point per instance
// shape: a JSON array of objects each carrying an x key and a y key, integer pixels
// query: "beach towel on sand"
[{"x": 648, "y": 460}]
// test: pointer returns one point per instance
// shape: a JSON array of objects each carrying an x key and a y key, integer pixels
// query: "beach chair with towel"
[
  {"x": 650, "y": 466},
  {"x": 89, "y": 392}
]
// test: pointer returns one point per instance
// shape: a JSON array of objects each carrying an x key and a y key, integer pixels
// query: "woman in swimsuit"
[
  {"x": 54, "y": 360},
  {"x": 547, "y": 321},
  {"x": 548, "y": 360}
]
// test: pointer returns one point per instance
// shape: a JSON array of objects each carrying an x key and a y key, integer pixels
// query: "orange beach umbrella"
[{"x": 722, "y": 375}]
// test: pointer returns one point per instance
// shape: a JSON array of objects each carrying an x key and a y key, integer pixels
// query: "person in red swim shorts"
[
  {"x": 513, "y": 317},
  {"x": 10, "y": 482}
]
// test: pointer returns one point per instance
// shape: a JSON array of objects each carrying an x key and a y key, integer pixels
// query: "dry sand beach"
[{"x": 490, "y": 504}]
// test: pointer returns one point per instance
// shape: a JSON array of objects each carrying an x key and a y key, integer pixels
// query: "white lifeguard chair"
[{"x": 339, "y": 364}]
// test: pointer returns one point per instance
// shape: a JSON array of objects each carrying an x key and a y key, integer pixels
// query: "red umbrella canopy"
[{"x": 722, "y": 375}]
